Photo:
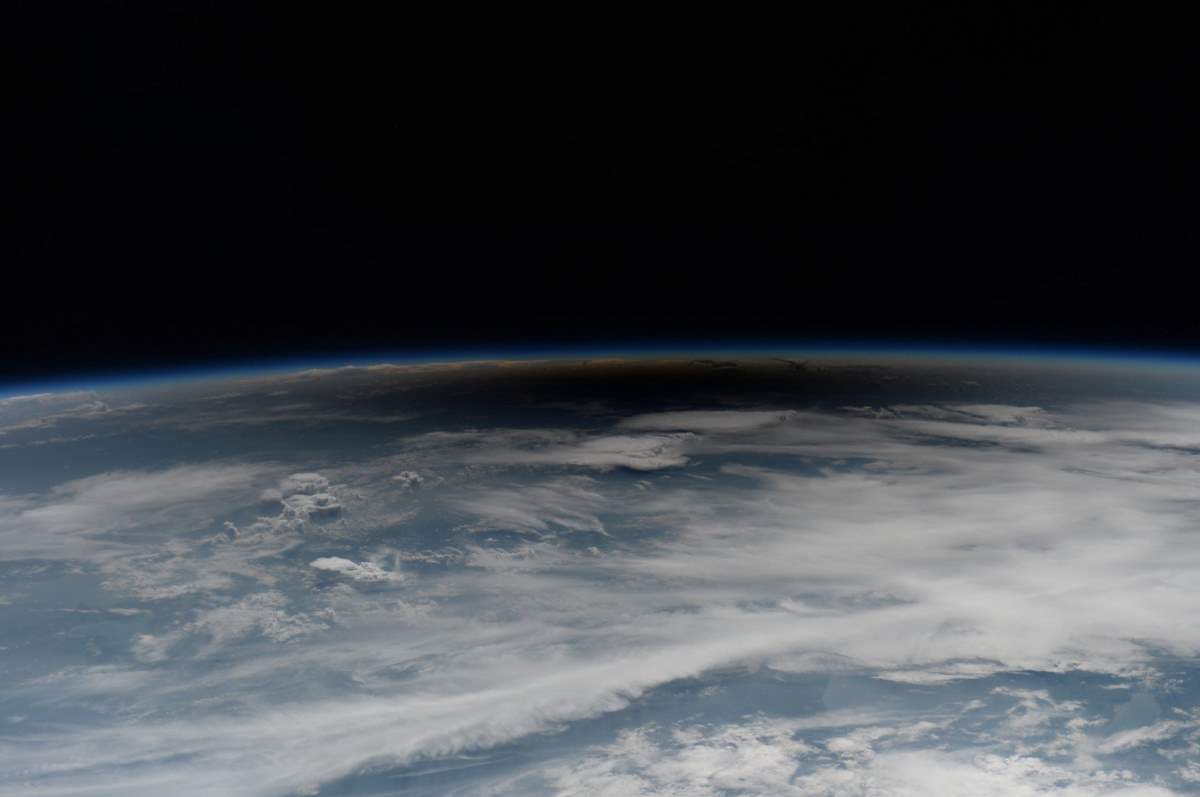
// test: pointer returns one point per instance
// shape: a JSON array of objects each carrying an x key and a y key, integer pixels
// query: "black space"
[{"x": 191, "y": 183}]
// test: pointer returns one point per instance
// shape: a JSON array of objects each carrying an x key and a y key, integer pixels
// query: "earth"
[{"x": 845, "y": 574}]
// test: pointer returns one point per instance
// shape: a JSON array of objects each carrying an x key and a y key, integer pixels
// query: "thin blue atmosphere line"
[{"x": 1029, "y": 353}]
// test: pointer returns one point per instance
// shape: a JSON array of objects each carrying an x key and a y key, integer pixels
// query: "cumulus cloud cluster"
[
  {"x": 263, "y": 613},
  {"x": 368, "y": 572},
  {"x": 762, "y": 758}
]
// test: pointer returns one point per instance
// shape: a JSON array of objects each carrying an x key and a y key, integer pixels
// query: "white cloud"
[
  {"x": 1189, "y": 772},
  {"x": 637, "y": 452},
  {"x": 944, "y": 673},
  {"x": 928, "y": 772},
  {"x": 305, "y": 483},
  {"x": 358, "y": 571},
  {"x": 263, "y": 613},
  {"x": 762, "y": 758},
  {"x": 409, "y": 478},
  {"x": 861, "y": 743},
  {"x": 1145, "y": 734},
  {"x": 61, "y": 522},
  {"x": 1034, "y": 708},
  {"x": 35, "y": 420},
  {"x": 568, "y": 504},
  {"x": 758, "y": 757},
  {"x": 707, "y": 421},
  {"x": 644, "y": 452},
  {"x": 303, "y": 497},
  {"x": 48, "y": 409}
]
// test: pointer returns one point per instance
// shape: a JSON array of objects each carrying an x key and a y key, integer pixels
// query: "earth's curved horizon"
[
  {"x": 968, "y": 352},
  {"x": 840, "y": 572}
]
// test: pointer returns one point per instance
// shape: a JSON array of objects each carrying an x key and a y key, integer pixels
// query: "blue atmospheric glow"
[{"x": 1030, "y": 353}]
